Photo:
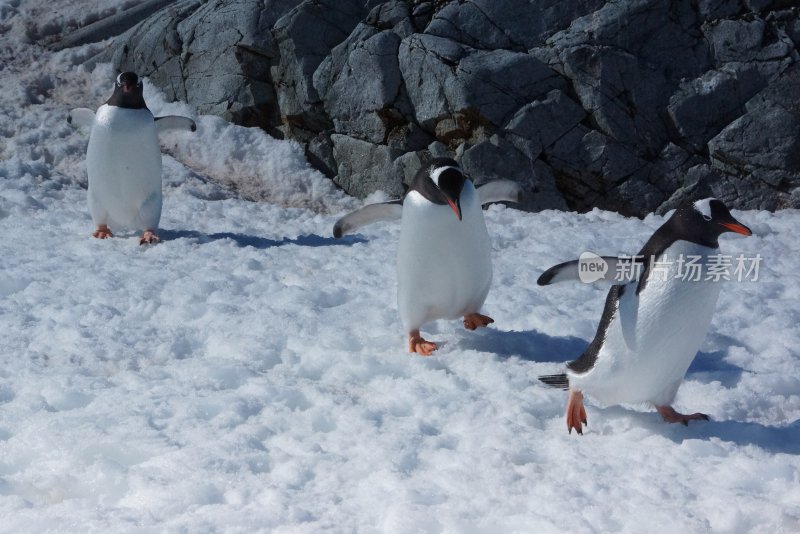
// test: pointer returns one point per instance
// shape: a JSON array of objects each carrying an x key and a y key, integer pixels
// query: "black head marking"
[
  {"x": 700, "y": 222},
  {"x": 718, "y": 218},
  {"x": 128, "y": 92},
  {"x": 441, "y": 181}
]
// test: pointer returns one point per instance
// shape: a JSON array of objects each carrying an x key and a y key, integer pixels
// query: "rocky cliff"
[{"x": 629, "y": 105}]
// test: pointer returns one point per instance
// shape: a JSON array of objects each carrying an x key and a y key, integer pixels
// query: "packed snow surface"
[{"x": 250, "y": 372}]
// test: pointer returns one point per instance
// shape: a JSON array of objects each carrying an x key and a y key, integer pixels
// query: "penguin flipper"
[
  {"x": 81, "y": 118},
  {"x": 384, "y": 211},
  {"x": 618, "y": 271},
  {"x": 500, "y": 191},
  {"x": 175, "y": 122}
]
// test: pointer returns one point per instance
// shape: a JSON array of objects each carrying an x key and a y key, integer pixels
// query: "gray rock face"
[
  {"x": 366, "y": 167},
  {"x": 360, "y": 81},
  {"x": 541, "y": 123},
  {"x": 721, "y": 94},
  {"x": 304, "y": 37},
  {"x": 464, "y": 87},
  {"x": 214, "y": 54},
  {"x": 631, "y": 106},
  {"x": 512, "y": 24},
  {"x": 764, "y": 142}
]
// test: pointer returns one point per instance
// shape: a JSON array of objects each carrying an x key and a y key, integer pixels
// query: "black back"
[
  {"x": 128, "y": 92},
  {"x": 586, "y": 360}
]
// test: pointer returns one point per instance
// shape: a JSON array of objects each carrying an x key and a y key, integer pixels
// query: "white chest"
[
  {"x": 444, "y": 265},
  {"x": 123, "y": 163}
]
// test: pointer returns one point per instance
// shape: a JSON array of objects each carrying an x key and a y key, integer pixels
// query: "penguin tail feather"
[{"x": 556, "y": 381}]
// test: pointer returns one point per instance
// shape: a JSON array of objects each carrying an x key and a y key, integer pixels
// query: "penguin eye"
[{"x": 706, "y": 217}]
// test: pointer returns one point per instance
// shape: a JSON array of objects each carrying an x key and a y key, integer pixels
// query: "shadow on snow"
[
  {"x": 710, "y": 367},
  {"x": 534, "y": 346},
  {"x": 773, "y": 439},
  {"x": 529, "y": 345},
  {"x": 244, "y": 240},
  {"x": 785, "y": 439}
]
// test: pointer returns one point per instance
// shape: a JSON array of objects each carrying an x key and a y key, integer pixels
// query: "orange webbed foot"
[
  {"x": 102, "y": 232},
  {"x": 149, "y": 238},
  {"x": 576, "y": 413},
  {"x": 476, "y": 320},
  {"x": 419, "y": 345},
  {"x": 669, "y": 415}
]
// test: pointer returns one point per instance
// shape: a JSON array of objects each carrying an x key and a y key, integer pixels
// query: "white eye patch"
[
  {"x": 704, "y": 207},
  {"x": 437, "y": 172},
  {"x": 119, "y": 80}
]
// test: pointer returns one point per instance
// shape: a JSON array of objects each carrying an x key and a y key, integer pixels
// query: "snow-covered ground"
[{"x": 249, "y": 373}]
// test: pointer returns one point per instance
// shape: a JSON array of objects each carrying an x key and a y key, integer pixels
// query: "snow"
[{"x": 249, "y": 373}]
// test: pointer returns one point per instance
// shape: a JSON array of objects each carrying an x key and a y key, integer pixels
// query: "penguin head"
[
  {"x": 717, "y": 218},
  {"x": 128, "y": 92},
  {"x": 703, "y": 221},
  {"x": 448, "y": 179}
]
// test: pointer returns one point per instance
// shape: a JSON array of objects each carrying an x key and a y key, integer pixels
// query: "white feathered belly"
[
  {"x": 123, "y": 162},
  {"x": 654, "y": 337},
  {"x": 444, "y": 266}
]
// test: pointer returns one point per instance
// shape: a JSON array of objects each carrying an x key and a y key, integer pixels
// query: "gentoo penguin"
[
  {"x": 123, "y": 159},
  {"x": 444, "y": 265},
  {"x": 655, "y": 316}
]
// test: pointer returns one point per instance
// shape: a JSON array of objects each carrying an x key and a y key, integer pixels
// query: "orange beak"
[
  {"x": 455, "y": 207},
  {"x": 738, "y": 228}
]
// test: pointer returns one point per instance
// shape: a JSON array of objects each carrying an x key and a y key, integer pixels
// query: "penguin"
[
  {"x": 123, "y": 159},
  {"x": 655, "y": 317},
  {"x": 444, "y": 266}
]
